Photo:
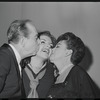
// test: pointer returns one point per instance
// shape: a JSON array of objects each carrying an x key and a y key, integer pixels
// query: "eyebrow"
[
  {"x": 59, "y": 43},
  {"x": 42, "y": 39},
  {"x": 45, "y": 40}
]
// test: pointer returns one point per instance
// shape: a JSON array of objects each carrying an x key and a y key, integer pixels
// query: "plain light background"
[{"x": 81, "y": 18}]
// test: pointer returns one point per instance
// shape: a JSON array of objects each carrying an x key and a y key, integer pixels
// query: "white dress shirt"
[{"x": 18, "y": 57}]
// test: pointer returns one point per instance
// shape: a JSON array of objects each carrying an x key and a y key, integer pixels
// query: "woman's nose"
[{"x": 48, "y": 46}]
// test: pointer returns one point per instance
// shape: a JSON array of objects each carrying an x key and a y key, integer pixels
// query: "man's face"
[
  {"x": 31, "y": 44},
  {"x": 45, "y": 47}
]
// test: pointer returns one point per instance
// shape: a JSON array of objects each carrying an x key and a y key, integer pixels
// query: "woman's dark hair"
[
  {"x": 47, "y": 33},
  {"x": 74, "y": 43}
]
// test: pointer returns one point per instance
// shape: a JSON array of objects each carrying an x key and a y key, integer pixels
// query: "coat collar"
[{"x": 13, "y": 56}]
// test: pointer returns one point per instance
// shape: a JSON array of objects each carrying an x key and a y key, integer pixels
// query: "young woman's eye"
[{"x": 51, "y": 46}]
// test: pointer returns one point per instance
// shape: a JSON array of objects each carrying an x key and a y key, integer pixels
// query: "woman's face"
[
  {"x": 59, "y": 51},
  {"x": 45, "y": 47}
]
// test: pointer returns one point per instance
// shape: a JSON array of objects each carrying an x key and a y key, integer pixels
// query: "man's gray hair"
[{"x": 17, "y": 28}]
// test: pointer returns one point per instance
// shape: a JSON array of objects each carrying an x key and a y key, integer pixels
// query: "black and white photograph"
[{"x": 50, "y": 50}]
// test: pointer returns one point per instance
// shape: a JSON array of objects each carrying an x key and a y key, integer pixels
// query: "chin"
[
  {"x": 51, "y": 59},
  {"x": 45, "y": 58}
]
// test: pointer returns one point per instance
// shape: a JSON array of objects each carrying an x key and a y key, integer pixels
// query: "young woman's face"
[
  {"x": 59, "y": 51},
  {"x": 45, "y": 47}
]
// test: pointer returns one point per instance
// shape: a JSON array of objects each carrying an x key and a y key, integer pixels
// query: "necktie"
[
  {"x": 33, "y": 85},
  {"x": 33, "y": 82},
  {"x": 22, "y": 85}
]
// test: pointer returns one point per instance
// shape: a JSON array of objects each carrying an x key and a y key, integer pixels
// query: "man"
[{"x": 22, "y": 39}]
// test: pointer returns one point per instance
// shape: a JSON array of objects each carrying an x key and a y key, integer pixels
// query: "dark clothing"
[
  {"x": 44, "y": 83},
  {"x": 10, "y": 80},
  {"x": 77, "y": 84}
]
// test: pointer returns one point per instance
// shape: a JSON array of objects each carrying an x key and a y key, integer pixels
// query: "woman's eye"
[
  {"x": 57, "y": 46},
  {"x": 42, "y": 42},
  {"x": 51, "y": 46}
]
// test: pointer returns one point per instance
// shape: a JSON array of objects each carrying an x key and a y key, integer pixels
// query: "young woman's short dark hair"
[{"x": 47, "y": 33}]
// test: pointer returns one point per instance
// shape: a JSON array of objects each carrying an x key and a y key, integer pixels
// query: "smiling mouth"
[{"x": 46, "y": 51}]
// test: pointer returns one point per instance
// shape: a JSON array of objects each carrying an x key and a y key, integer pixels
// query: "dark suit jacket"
[
  {"x": 78, "y": 84},
  {"x": 10, "y": 84},
  {"x": 45, "y": 82}
]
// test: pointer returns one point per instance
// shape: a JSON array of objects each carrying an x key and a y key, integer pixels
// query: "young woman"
[
  {"x": 72, "y": 80},
  {"x": 38, "y": 75}
]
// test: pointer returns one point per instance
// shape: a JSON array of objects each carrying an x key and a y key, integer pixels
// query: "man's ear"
[
  {"x": 22, "y": 41},
  {"x": 68, "y": 52}
]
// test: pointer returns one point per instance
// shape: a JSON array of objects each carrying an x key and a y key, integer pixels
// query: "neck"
[
  {"x": 36, "y": 63},
  {"x": 61, "y": 63},
  {"x": 16, "y": 46}
]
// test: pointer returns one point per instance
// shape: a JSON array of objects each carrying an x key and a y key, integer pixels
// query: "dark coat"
[
  {"x": 10, "y": 84},
  {"x": 77, "y": 84},
  {"x": 45, "y": 82}
]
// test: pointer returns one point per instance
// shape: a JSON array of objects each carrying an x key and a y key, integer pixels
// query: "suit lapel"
[{"x": 14, "y": 57}]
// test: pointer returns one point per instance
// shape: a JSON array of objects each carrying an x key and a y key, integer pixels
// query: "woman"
[
  {"x": 73, "y": 81},
  {"x": 38, "y": 74}
]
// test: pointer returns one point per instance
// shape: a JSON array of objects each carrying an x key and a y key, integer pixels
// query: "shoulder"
[
  {"x": 4, "y": 49},
  {"x": 78, "y": 69},
  {"x": 78, "y": 72},
  {"x": 4, "y": 53},
  {"x": 5, "y": 59},
  {"x": 49, "y": 69},
  {"x": 50, "y": 65}
]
